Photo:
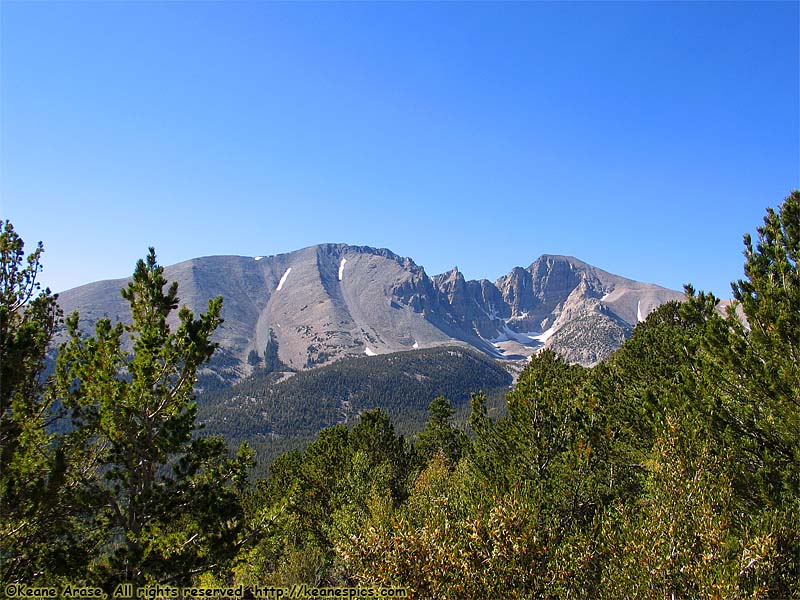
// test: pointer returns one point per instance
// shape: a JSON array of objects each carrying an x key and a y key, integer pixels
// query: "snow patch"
[
  {"x": 283, "y": 279},
  {"x": 341, "y": 268},
  {"x": 543, "y": 337},
  {"x": 370, "y": 352},
  {"x": 258, "y": 258},
  {"x": 522, "y": 338},
  {"x": 525, "y": 338},
  {"x": 416, "y": 345}
]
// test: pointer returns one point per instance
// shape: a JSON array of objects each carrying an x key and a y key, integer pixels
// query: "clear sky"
[{"x": 644, "y": 138}]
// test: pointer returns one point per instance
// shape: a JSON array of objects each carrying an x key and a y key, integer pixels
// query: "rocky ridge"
[{"x": 331, "y": 301}]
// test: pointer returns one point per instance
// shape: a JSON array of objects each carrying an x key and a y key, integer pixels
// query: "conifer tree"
[
  {"x": 755, "y": 367},
  {"x": 37, "y": 542},
  {"x": 168, "y": 500},
  {"x": 439, "y": 435},
  {"x": 763, "y": 358},
  {"x": 271, "y": 361}
]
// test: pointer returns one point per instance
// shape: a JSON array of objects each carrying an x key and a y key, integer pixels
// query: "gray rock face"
[
  {"x": 331, "y": 301},
  {"x": 558, "y": 302}
]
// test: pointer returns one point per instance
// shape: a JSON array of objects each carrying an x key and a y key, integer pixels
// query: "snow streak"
[{"x": 283, "y": 279}]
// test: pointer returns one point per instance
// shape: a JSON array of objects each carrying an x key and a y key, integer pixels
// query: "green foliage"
[
  {"x": 38, "y": 476},
  {"x": 760, "y": 360},
  {"x": 317, "y": 498},
  {"x": 28, "y": 319},
  {"x": 167, "y": 503},
  {"x": 441, "y": 545},
  {"x": 440, "y": 435},
  {"x": 551, "y": 443}
]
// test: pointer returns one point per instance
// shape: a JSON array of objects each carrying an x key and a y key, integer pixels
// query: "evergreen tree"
[
  {"x": 37, "y": 475},
  {"x": 271, "y": 361},
  {"x": 762, "y": 359},
  {"x": 169, "y": 502},
  {"x": 548, "y": 416},
  {"x": 755, "y": 377},
  {"x": 253, "y": 359},
  {"x": 439, "y": 435}
]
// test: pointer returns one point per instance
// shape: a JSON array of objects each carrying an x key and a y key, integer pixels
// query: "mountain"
[{"x": 331, "y": 301}]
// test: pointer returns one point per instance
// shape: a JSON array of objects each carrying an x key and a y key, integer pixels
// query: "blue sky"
[{"x": 644, "y": 138}]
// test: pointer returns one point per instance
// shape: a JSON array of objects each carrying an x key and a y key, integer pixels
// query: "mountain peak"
[
  {"x": 334, "y": 300},
  {"x": 552, "y": 259}
]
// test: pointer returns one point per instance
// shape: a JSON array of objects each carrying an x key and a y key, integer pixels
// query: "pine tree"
[
  {"x": 169, "y": 502},
  {"x": 271, "y": 361},
  {"x": 37, "y": 541},
  {"x": 765, "y": 360},
  {"x": 755, "y": 364},
  {"x": 439, "y": 435}
]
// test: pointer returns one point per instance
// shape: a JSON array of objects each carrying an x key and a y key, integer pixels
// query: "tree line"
[{"x": 671, "y": 470}]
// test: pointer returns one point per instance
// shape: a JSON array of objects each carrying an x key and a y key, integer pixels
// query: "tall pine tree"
[
  {"x": 170, "y": 507},
  {"x": 764, "y": 357}
]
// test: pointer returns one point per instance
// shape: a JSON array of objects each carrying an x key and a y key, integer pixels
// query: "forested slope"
[{"x": 274, "y": 413}]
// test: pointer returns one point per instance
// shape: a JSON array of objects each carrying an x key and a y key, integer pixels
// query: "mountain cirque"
[{"x": 330, "y": 301}]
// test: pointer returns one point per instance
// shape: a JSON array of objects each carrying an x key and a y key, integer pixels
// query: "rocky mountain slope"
[{"x": 331, "y": 301}]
